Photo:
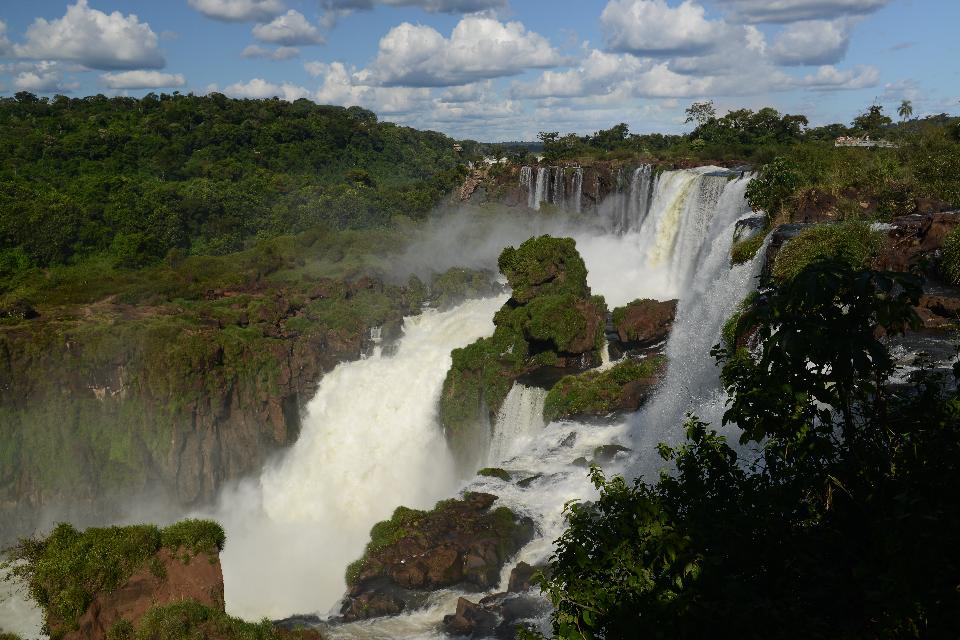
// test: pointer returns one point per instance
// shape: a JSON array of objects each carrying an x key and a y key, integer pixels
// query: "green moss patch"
[
  {"x": 64, "y": 571},
  {"x": 597, "y": 392},
  {"x": 745, "y": 250},
  {"x": 950, "y": 264},
  {"x": 851, "y": 242},
  {"x": 495, "y": 472},
  {"x": 190, "y": 620}
]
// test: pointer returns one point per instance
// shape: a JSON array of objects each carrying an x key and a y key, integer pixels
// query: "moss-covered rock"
[
  {"x": 68, "y": 570},
  {"x": 551, "y": 321},
  {"x": 495, "y": 472},
  {"x": 643, "y": 323},
  {"x": 623, "y": 387},
  {"x": 196, "y": 621},
  {"x": 459, "y": 542},
  {"x": 544, "y": 266},
  {"x": 852, "y": 242}
]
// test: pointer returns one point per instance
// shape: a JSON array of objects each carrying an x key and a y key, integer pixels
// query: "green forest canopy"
[{"x": 205, "y": 174}]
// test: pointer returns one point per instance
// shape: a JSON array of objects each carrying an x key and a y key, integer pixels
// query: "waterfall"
[
  {"x": 526, "y": 180},
  {"x": 577, "y": 188},
  {"x": 708, "y": 296},
  {"x": 370, "y": 442},
  {"x": 519, "y": 419},
  {"x": 638, "y": 203},
  {"x": 542, "y": 192},
  {"x": 557, "y": 195}
]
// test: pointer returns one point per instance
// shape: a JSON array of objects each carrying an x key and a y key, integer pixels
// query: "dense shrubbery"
[
  {"x": 133, "y": 179},
  {"x": 64, "y": 571},
  {"x": 836, "y": 525}
]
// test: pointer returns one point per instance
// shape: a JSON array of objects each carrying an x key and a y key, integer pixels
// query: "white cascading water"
[
  {"x": 519, "y": 419},
  {"x": 577, "y": 188},
  {"x": 542, "y": 190},
  {"x": 370, "y": 442},
  {"x": 526, "y": 180},
  {"x": 558, "y": 190}
]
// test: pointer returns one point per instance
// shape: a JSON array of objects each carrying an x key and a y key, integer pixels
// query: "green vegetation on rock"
[
  {"x": 495, "y": 472},
  {"x": 950, "y": 263},
  {"x": 853, "y": 243},
  {"x": 550, "y": 320},
  {"x": 543, "y": 266},
  {"x": 190, "y": 620},
  {"x": 64, "y": 571},
  {"x": 745, "y": 250},
  {"x": 385, "y": 533},
  {"x": 597, "y": 393}
]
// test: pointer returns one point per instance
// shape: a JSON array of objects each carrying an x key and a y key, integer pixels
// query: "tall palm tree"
[{"x": 905, "y": 110}]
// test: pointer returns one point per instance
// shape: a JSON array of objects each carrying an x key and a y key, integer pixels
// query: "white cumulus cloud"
[
  {"x": 94, "y": 39},
  {"x": 260, "y": 88},
  {"x": 43, "y": 77},
  {"x": 794, "y": 10},
  {"x": 280, "y": 53},
  {"x": 478, "y": 48},
  {"x": 142, "y": 80},
  {"x": 812, "y": 42},
  {"x": 239, "y": 10},
  {"x": 432, "y": 6},
  {"x": 290, "y": 29},
  {"x": 829, "y": 78},
  {"x": 654, "y": 28},
  {"x": 340, "y": 87}
]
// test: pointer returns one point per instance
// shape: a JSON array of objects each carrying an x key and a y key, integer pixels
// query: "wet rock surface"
[
  {"x": 642, "y": 324},
  {"x": 459, "y": 543}
]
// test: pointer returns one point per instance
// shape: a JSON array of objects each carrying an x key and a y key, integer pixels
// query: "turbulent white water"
[
  {"x": 371, "y": 442},
  {"x": 519, "y": 420}
]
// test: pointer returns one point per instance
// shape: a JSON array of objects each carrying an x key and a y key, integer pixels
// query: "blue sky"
[{"x": 499, "y": 69}]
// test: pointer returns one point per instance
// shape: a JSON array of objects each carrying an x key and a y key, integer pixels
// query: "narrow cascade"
[
  {"x": 557, "y": 195},
  {"x": 577, "y": 188},
  {"x": 519, "y": 420},
  {"x": 542, "y": 192},
  {"x": 641, "y": 192},
  {"x": 370, "y": 442},
  {"x": 701, "y": 206},
  {"x": 709, "y": 296},
  {"x": 526, "y": 180}
]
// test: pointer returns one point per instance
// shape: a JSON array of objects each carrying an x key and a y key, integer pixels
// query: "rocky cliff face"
[{"x": 102, "y": 403}]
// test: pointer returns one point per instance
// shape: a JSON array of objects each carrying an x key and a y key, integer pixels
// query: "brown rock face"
[
  {"x": 461, "y": 542},
  {"x": 163, "y": 580},
  {"x": 913, "y": 237},
  {"x": 644, "y": 323}
]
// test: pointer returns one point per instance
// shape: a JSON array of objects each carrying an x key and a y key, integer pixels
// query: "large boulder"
[
  {"x": 461, "y": 543},
  {"x": 624, "y": 387},
  {"x": 643, "y": 323}
]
